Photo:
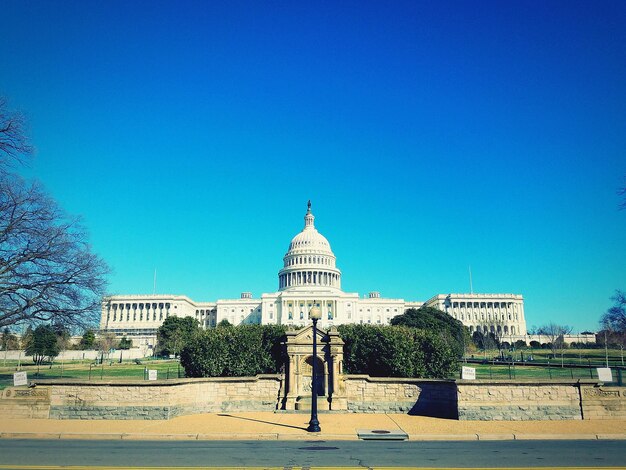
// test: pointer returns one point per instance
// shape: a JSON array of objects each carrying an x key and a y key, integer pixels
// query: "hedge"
[
  {"x": 397, "y": 351},
  {"x": 229, "y": 351},
  {"x": 380, "y": 351}
]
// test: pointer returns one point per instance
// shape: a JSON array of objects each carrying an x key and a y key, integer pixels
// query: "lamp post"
[{"x": 314, "y": 424}]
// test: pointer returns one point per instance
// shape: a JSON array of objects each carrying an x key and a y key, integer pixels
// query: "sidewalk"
[{"x": 290, "y": 426}]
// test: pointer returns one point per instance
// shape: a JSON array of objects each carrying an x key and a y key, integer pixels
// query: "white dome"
[
  {"x": 309, "y": 260},
  {"x": 309, "y": 241}
]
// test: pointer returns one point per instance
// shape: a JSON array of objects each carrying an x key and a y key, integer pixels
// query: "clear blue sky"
[{"x": 430, "y": 136}]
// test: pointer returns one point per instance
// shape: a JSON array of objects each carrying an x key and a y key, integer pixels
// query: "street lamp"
[{"x": 314, "y": 424}]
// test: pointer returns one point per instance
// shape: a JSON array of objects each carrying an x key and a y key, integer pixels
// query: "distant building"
[{"x": 309, "y": 276}]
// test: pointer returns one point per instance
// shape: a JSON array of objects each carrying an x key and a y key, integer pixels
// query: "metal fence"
[{"x": 547, "y": 370}]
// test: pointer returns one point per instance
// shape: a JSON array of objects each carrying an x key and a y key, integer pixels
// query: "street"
[{"x": 477, "y": 454}]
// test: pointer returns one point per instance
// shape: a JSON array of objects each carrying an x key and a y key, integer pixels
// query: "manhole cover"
[{"x": 382, "y": 434}]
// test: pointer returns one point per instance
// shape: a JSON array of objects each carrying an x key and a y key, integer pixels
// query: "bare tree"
[
  {"x": 106, "y": 341},
  {"x": 14, "y": 144},
  {"x": 492, "y": 331},
  {"x": 47, "y": 270},
  {"x": 614, "y": 323},
  {"x": 614, "y": 319},
  {"x": 555, "y": 334}
]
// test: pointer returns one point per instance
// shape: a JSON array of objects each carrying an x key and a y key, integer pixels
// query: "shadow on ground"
[{"x": 261, "y": 421}]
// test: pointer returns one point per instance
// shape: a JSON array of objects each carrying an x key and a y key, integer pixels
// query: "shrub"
[
  {"x": 174, "y": 333},
  {"x": 520, "y": 344},
  {"x": 380, "y": 351},
  {"x": 535, "y": 344},
  {"x": 240, "y": 351},
  {"x": 434, "y": 320},
  {"x": 396, "y": 351}
]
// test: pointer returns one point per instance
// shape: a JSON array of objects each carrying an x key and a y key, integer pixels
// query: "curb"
[
  {"x": 443, "y": 437},
  {"x": 555, "y": 437},
  {"x": 299, "y": 437}
]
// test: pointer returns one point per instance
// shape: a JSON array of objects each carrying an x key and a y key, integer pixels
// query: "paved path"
[{"x": 292, "y": 426}]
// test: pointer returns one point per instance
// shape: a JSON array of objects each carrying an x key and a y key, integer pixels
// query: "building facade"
[{"x": 309, "y": 276}]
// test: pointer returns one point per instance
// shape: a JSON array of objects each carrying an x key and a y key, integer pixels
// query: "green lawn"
[
  {"x": 168, "y": 369},
  {"x": 87, "y": 370},
  {"x": 503, "y": 371},
  {"x": 595, "y": 357},
  {"x": 547, "y": 366}
]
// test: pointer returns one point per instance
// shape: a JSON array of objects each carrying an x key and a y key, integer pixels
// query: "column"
[{"x": 292, "y": 375}]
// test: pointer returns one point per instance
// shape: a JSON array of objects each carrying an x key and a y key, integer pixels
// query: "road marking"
[{"x": 96, "y": 467}]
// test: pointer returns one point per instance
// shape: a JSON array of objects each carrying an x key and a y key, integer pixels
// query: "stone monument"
[{"x": 298, "y": 372}]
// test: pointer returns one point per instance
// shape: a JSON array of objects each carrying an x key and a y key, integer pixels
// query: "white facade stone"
[
  {"x": 498, "y": 313},
  {"x": 309, "y": 276}
]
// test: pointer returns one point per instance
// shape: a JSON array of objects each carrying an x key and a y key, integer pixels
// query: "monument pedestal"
[{"x": 304, "y": 403}]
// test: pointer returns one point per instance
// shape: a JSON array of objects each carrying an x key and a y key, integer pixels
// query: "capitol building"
[{"x": 309, "y": 276}]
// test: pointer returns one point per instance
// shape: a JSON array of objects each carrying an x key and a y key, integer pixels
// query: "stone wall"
[
  {"x": 518, "y": 400},
  {"x": 604, "y": 402},
  {"x": 509, "y": 400},
  {"x": 148, "y": 400},
  {"x": 25, "y": 403},
  {"x": 423, "y": 397},
  {"x": 460, "y": 399}
]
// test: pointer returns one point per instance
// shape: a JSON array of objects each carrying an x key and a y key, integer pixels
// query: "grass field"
[
  {"x": 506, "y": 371},
  {"x": 543, "y": 367},
  {"x": 570, "y": 356},
  {"x": 166, "y": 369}
]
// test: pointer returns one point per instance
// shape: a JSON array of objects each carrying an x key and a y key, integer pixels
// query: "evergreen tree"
[{"x": 44, "y": 343}]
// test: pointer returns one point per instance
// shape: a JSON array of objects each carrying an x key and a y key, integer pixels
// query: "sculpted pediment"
[{"x": 305, "y": 336}]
